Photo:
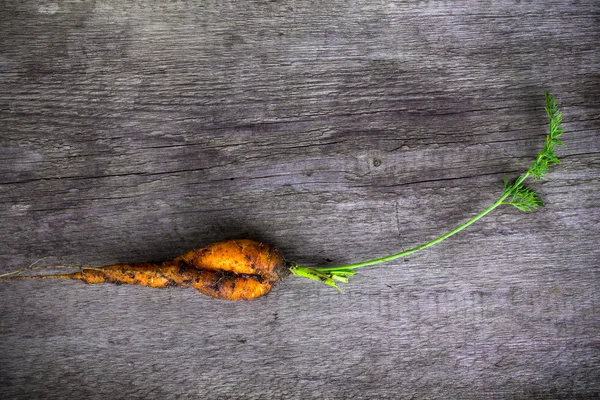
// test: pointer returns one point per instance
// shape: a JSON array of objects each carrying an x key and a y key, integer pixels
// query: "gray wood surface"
[{"x": 338, "y": 131}]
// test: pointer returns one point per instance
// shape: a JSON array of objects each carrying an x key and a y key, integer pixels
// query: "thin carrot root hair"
[
  {"x": 21, "y": 277},
  {"x": 14, "y": 274}
]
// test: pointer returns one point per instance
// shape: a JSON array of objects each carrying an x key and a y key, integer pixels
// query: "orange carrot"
[{"x": 230, "y": 270}]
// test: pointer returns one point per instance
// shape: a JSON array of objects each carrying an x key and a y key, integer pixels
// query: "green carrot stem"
[
  {"x": 523, "y": 198},
  {"x": 404, "y": 253}
]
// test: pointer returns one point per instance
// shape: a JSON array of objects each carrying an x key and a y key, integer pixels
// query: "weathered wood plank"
[{"x": 337, "y": 131}]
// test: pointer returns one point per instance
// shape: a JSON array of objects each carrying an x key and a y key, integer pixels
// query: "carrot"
[
  {"x": 229, "y": 270},
  {"x": 245, "y": 269}
]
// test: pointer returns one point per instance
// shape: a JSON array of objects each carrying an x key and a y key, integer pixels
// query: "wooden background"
[{"x": 338, "y": 131}]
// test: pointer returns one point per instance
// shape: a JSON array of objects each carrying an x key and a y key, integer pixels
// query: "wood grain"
[{"x": 338, "y": 131}]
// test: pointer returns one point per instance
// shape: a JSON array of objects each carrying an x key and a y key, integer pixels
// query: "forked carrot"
[{"x": 232, "y": 270}]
